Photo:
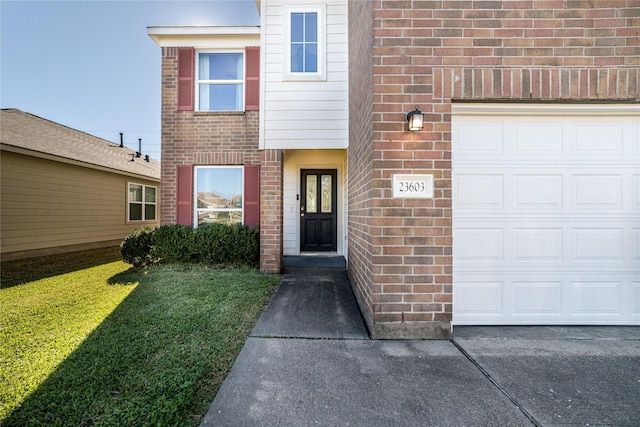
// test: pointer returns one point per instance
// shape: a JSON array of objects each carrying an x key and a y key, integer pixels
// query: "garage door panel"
[
  {"x": 480, "y": 244},
  {"x": 595, "y": 297},
  {"x": 480, "y": 191},
  {"x": 480, "y": 298},
  {"x": 545, "y": 298},
  {"x": 551, "y": 188},
  {"x": 551, "y": 138},
  {"x": 546, "y": 219},
  {"x": 511, "y": 299},
  {"x": 491, "y": 244},
  {"x": 599, "y": 137},
  {"x": 543, "y": 137},
  {"x": 597, "y": 244},
  {"x": 537, "y": 298},
  {"x": 634, "y": 296},
  {"x": 480, "y": 137},
  {"x": 545, "y": 243},
  {"x": 538, "y": 244},
  {"x": 597, "y": 191},
  {"x": 543, "y": 191}
]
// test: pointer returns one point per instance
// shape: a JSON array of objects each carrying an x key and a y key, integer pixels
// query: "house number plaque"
[{"x": 412, "y": 186}]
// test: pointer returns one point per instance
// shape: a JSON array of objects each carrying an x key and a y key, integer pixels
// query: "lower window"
[
  {"x": 142, "y": 202},
  {"x": 218, "y": 194}
]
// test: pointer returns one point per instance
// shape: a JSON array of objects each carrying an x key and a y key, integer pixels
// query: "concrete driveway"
[{"x": 310, "y": 362}]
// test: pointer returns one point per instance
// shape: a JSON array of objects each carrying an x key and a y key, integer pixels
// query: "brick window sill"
[{"x": 218, "y": 113}]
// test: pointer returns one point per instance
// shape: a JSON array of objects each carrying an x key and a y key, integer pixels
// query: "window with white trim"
[
  {"x": 305, "y": 43},
  {"x": 220, "y": 81},
  {"x": 218, "y": 194},
  {"x": 141, "y": 202}
]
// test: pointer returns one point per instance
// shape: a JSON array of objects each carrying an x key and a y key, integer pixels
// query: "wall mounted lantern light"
[{"x": 415, "y": 119}]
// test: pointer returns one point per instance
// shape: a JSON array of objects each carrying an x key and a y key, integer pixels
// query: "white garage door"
[{"x": 546, "y": 214}]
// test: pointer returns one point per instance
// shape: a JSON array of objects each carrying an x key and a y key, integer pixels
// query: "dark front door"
[{"x": 318, "y": 210}]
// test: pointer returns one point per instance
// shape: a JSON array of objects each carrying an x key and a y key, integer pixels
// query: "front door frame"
[{"x": 323, "y": 242}]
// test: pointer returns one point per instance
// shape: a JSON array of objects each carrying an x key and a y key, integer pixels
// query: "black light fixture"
[{"x": 415, "y": 119}]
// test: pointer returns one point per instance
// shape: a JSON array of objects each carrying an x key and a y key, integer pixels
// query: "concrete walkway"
[{"x": 309, "y": 362}]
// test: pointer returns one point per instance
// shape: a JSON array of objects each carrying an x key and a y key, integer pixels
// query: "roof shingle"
[{"x": 30, "y": 132}]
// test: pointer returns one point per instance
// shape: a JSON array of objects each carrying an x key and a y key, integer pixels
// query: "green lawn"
[{"x": 112, "y": 345}]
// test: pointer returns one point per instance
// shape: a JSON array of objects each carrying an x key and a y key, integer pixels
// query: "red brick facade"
[
  {"x": 271, "y": 221},
  {"x": 430, "y": 53},
  {"x": 408, "y": 53},
  {"x": 190, "y": 138}
]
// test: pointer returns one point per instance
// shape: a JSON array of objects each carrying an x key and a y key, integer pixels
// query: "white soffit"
[{"x": 203, "y": 37}]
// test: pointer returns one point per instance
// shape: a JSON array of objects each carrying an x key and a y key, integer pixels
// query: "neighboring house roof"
[{"x": 29, "y": 134}]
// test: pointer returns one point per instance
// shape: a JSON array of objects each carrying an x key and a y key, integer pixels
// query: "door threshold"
[
  {"x": 315, "y": 259},
  {"x": 319, "y": 254}
]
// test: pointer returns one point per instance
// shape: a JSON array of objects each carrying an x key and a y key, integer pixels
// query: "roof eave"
[
  {"x": 177, "y": 36},
  {"x": 53, "y": 157}
]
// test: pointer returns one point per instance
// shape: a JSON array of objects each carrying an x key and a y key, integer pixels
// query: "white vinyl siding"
[
  {"x": 304, "y": 114},
  {"x": 546, "y": 215}
]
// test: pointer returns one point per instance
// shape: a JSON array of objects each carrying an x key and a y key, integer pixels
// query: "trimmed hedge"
[
  {"x": 232, "y": 245},
  {"x": 172, "y": 243}
]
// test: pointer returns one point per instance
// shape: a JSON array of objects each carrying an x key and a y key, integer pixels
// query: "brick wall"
[
  {"x": 271, "y": 213},
  {"x": 428, "y": 53},
  {"x": 191, "y": 138},
  {"x": 360, "y": 156}
]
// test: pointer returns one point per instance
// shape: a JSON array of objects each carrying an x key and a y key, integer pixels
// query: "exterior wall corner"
[
  {"x": 411, "y": 331},
  {"x": 271, "y": 218}
]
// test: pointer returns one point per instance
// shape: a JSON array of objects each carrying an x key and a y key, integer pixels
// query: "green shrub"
[
  {"x": 173, "y": 243},
  {"x": 212, "y": 244},
  {"x": 247, "y": 245},
  {"x": 227, "y": 244},
  {"x": 207, "y": 239},
  {"x": 136, "y": 248}
]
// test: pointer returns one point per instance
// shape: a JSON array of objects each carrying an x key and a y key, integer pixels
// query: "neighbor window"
[
  {"x": 305, "y": 43},
  {"x": 218, "y": 192},
  {"x": 220, "y": 80},
  {"x": 142, "y": 202}
]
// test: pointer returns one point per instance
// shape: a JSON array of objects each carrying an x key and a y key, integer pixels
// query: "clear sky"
[{"x": 90, "y": 64}]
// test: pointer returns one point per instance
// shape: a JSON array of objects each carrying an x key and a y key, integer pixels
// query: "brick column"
[{"x": 271, "y": 223}]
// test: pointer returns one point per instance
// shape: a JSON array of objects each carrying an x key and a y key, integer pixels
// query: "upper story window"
[
  {"x": 305, "y": 43},
  {"x": 220, "y": 81},
  {"x": 142, "y": 202}
]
